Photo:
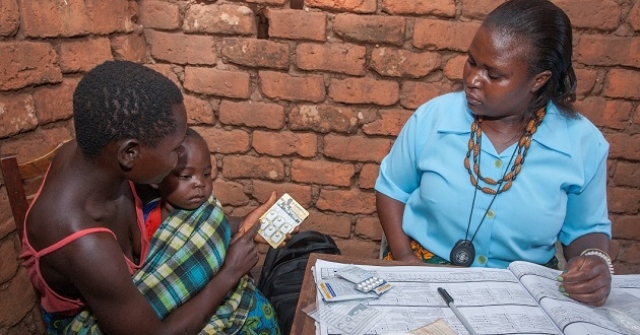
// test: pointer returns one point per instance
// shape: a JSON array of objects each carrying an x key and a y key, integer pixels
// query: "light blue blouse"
[{"x": 560, "y": 194}]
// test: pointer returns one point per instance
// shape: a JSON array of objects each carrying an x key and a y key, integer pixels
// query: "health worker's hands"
[{"x": 586, "y": 279}]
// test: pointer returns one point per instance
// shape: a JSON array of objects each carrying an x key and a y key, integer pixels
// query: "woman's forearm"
[
  {"x": 390, "y": 212},
  {"x": 595, "y": 240}
]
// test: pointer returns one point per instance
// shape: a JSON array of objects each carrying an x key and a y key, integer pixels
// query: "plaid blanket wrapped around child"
[{"x": 186, "y": 251}]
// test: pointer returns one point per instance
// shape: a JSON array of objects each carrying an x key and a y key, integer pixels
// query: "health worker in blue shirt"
[{"x": 501, "y": 171}]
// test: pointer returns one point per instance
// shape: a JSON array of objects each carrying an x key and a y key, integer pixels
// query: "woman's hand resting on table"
[{"x": 586, "y": 279}]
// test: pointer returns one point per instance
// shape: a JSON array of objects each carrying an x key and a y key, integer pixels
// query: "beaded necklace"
[{"x": 463, "y": 252}]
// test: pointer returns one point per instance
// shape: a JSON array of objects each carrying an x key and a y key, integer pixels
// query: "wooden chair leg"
[{"x": 15, "y": 191}]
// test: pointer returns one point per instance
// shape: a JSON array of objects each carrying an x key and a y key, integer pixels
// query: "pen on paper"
[{"x": 449, "y": 301}]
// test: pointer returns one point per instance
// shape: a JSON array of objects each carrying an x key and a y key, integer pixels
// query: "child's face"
[{"x": 189, "y": 184}]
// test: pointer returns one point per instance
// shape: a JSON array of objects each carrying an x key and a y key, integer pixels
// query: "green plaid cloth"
[{"x": 186, "y": 252}]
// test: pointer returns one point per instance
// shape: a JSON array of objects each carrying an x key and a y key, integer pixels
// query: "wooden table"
[{"x": 302, "y": 323}]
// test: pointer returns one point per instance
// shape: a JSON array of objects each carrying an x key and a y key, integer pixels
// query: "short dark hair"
[
  {"x": 119, "y": 100},
  {"x": 547, "y": 29},
  {"x": 192, "y": 133}
]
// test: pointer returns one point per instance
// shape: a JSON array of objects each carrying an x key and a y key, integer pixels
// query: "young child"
[
  {"x": 186, "y": 194},
  {"x": 187, "y": 186}
]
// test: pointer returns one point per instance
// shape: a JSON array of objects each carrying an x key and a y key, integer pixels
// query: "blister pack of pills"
[
  {"x": 365, "y": 281},
  {"x": 281, "y": 219}
]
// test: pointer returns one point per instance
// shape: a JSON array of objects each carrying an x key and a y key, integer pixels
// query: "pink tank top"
[{"x": 51, "y": 301}]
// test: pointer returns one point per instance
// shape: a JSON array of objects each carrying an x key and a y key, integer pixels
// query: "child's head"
[
  {"x": 133, "y": 112},
  {"x": 189, "y": 184}
]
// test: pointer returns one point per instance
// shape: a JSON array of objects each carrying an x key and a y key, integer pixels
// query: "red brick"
[
  {"x": 219, "y": 19},
  {"x": 627, "y": 174},
  {"x": 262, "y": 191},
  {"x": 623, "y": 200},
  {"x": 435, "y": 34},
  {"x": 394, "y": 62},
  {"x": 333, "y": 57},
  {"x": 8, "y": 259},
  {"x": 357, "y": 6},
  {"x": 454, "y": 67},
  {"x": 356, "y": 148},
  {"x": 608, "y": 50},
  {"x": 328, "y": 223},
  {"x": 420, "y": 7},
  {"x": 131, "y": 47},
  {"x": 390, "y": 122},
  {"x": 9, "y": 17},
  {"x": 168, "y": 71},
  {"x": 636, "y": 118},
  {"x": 7, "y": 225},
  {"x": 285, "y": 143},
  {"x": 228, "y": 84},
  {"x": 55, "y": 103},
  {"x": 32, "y": 323},
  {"x": 364, "y": 91},
  {"x": 267, "y": 2},
  {"x": 225, "y": 141},
  {"x": 51, "y": 18},
  {"x": 586, "y": 81},
  {"x": 159, "y": 15},
  {"x": 323, "y": 118},
  {"x": 83, "y": 54},
  {"x": 621, "y": 83},
  {"x": 368, "y": 176},
  {"x": 479, "y": 9},
  {"x": 634, "y": 16},
  {"x": 256, "y": 53},
  {"x": 281, "y": 86},
  {"x": 230, "y": 193},
  {"x": 252, "y": 114},
  {"x": 359, "y": 248},
  {"x": 605, "y": 113},
  {"x": 625, "y": 227},
  {"x": 198, "y": 111},
  {"x": 351, "y": 201},
  {"x": 369, "y": 227},
  {"x": 108, "y": 17},
  {"x": 17, "y": 112},
  {"x": 322, "y": 172},
  {"x": 624, "y": 146},
  {"x": 35, "y": 144},
  {"x": 297, "y": 25},
  {"x": 596, "y": 14},
  {"x": 631, "y": 254},
  {"x": 414, "y": 93},
  {"x": 252, "y": 167},
  {"x": 16, "y": 298},
  {"x": 180, "y": 48},
  {"x": 28, "y": 63},
  {"x": 370, "y": 28}
]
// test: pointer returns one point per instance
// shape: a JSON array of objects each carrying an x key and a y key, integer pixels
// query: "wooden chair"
[{"x": 22, "y": 182}]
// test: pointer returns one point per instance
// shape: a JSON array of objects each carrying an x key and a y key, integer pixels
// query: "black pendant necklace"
[{"x": 463, "y": 252}]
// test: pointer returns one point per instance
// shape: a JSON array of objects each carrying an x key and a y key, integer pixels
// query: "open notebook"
[{"x": 523, "y": 299}]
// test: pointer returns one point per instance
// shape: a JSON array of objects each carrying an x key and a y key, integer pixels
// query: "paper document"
[{"x": 523, "y": 299}]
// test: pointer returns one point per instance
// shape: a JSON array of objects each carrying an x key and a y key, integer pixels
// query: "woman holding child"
[
  {"x": 504, "y": 169},
  {"x": 84, "y": 235}
]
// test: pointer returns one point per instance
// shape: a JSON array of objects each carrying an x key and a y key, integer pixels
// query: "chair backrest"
[{"x": 22, "y": 182}]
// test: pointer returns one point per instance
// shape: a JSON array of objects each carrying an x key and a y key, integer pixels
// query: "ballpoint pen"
[{"x": 449, "y": 300}]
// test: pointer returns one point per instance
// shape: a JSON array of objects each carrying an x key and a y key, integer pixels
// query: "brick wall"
[{"x": 305, "y": 101}]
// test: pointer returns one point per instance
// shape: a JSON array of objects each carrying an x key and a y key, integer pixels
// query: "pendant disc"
[{"x": 463, "y": 253}]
